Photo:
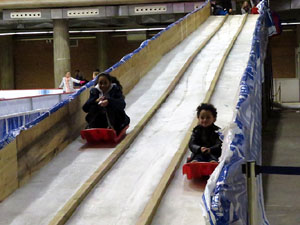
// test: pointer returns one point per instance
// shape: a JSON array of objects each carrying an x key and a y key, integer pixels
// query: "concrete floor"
[{"x": 281, "y": 147}]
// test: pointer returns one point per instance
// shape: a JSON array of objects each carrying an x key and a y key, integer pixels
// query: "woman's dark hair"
[
  {"x": 206, "y": 106},
  {"x": 111, "y": 79},
  {"x": 103, "y": 74}
]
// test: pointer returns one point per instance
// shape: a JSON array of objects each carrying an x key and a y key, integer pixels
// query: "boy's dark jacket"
[{"x": 205, "y": 137}]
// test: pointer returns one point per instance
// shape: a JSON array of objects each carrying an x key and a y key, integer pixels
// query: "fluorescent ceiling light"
[
  {"x": 83, "y": 31},
  {"x": 294, "y": 23}
]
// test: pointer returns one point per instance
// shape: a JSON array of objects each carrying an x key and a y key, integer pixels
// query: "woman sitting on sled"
[{"x": 106, "y": 104}]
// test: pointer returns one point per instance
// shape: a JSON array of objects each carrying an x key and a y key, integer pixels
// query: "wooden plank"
[
  {"x": 8, "y": 170},
  {"x": 64, "y": 214},
  {"x": 152, "y": 205},
  {"x": 41, "y": 152}
]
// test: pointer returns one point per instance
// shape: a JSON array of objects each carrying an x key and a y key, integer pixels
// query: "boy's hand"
[{"x": 205, "y": 150}]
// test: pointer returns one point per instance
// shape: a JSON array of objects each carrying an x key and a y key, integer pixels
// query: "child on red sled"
[
  {"x": 205, "y": 143},
  {"x": 106, "y": 104}
]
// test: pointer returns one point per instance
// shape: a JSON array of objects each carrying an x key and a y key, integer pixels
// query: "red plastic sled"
[
  {"x": 96, "y": 135},
  {"x": 198, "y": 169}
]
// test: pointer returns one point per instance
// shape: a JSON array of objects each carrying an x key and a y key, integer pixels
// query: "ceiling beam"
[{"x": 23, "y": 4}]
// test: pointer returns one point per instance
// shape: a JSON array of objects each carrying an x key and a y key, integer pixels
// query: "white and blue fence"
[{"x": 225, "y": 196}]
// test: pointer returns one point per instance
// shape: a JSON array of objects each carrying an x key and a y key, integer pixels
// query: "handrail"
[
  {"x": 251, "y": 170},
  {"x": 30, "y": 103},
  {"x": 22, "y": 113},
  {"x": 9, "y": 92}
]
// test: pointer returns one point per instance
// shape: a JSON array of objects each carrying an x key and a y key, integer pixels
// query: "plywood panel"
[{"x": 8, "y": 170}]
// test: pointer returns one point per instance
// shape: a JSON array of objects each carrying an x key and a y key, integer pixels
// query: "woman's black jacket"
[{"x": 114, "y": 96}]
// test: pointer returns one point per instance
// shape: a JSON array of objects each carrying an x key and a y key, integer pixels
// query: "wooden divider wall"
[
  {"x": 35, "y": 147},
  {"x": 8, "y": 170}
]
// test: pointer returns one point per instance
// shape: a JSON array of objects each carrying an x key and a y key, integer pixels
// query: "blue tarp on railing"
[
  {"x": 13, "y": 125},
  {"x": 225, "y": 195},
  {"x": 17, "y": 112}
]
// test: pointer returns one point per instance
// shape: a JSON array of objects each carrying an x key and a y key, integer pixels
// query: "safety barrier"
[
  {"x": 13, "y": 94},
  {"x": 225, "y": 198},
  {"x": 19, "y": 101},
  {"x": 11, "y": 123},
  {"x": 16, "y": 112},
  {"x": 252, "y": 170}
]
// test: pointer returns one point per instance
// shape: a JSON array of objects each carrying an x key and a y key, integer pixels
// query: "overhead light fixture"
[
  {"x": 83, "y": 31},
  {"x": 26, "y": 32},
  {"x": 292, "y": 23}
]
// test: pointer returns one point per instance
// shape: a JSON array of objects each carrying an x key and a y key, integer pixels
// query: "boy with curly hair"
[{"x": 205, "y": 143}]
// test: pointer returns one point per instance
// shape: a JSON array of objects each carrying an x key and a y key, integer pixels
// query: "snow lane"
[
  {"x": 37, "y": 201},
  {"x": 124, "y": 192},
  {"x": 153, "y": 85},
  {"x": 181, "y": 203}
]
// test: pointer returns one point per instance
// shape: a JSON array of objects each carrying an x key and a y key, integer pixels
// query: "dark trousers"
[
  {"x": 98, "y": 118},
  {"x": 203, "y": 157}
]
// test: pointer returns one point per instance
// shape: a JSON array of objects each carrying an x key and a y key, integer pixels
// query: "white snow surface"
[{"x": 123, "y": 193}]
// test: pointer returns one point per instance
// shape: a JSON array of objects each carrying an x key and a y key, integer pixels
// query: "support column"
[
  {"x": 102, "y": 39},
  {"x": 6, "y": 63},
  {"x": 61, "y": 48}
]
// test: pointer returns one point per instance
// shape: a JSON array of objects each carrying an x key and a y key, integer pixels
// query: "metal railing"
[{"x": 252, "y": 170}]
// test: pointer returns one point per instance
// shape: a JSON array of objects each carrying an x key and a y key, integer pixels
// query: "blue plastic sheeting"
[
  {"x": 16, "y": 113},
  {"x": 225, "y": 195},
  {"x": 11, "y": 126},
  {"x": 11, "y": 135}
]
